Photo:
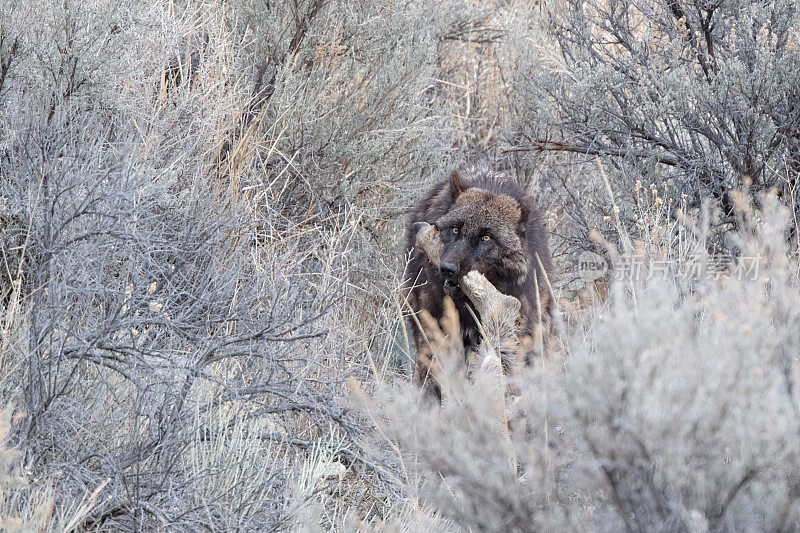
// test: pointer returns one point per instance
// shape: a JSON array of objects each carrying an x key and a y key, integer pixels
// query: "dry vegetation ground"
[{"x": 201, "y": 212}]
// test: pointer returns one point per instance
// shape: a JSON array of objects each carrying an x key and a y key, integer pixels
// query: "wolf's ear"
[{"x": 457, "y": 184}]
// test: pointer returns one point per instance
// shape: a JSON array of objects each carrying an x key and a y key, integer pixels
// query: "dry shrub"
[
  {"x": 200, "y": 206},
  {"x": 199, "y": 201},
  {"x": 673, "y": 411},
  {"x": 696, "y": 100}
]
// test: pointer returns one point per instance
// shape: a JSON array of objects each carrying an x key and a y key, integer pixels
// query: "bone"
[
  {"x": 488, "y": 301},
  {"x": 429, "y": 242}
]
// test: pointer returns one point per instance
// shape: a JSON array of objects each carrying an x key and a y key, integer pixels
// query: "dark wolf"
[{"x": 489, "y": 224}]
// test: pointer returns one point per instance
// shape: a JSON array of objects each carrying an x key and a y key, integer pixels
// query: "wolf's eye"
[
  {"x": 455, "y": 231},
  {"x": 486, "y": 238}
]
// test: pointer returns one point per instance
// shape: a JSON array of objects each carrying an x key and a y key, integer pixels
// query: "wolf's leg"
[
  {"x": 437, "y": 346},
  {"x": 439, "y": 349}
]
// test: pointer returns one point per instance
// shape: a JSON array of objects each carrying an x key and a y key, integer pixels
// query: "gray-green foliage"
[
  {"x": 672, "y": 412},
  {"x": 189, "y": 193},
  {"x": 201, "y": 205},
  {"x": 350, "y": 99},
  {"x": 700, "y": 95}
]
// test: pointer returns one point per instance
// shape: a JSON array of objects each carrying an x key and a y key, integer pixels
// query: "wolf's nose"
[{"x": 449, "y": 270}]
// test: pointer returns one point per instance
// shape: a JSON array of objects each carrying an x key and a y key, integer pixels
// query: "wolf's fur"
[{"x": 516, "y": 258}]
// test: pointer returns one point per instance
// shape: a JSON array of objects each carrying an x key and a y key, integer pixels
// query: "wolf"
[{"x": 487, "y": 223}]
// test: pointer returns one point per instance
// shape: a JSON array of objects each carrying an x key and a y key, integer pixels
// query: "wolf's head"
[{"x": 483, "y": 230}]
